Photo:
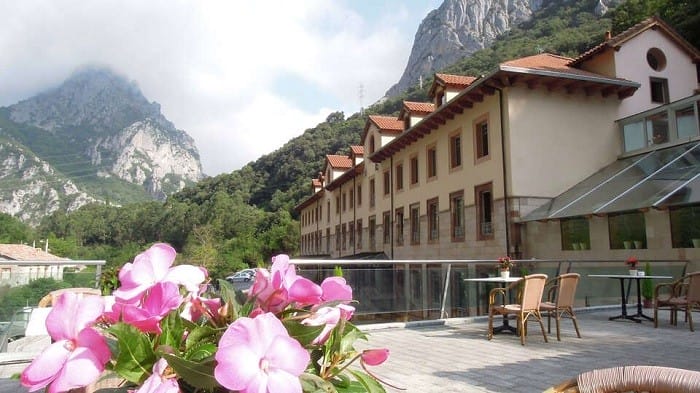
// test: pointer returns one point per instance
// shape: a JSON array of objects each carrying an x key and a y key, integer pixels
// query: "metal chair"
[
  {"x": 531, "y": 289},
  {"x": 682, "y": 294}
]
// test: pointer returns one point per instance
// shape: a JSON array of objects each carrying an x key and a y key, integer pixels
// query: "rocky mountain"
[
  {"x": 99, "y": 131},
  {"x": 458, "y": 28}
]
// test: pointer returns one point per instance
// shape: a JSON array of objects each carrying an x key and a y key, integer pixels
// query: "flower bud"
[{"x": 374, "y": 357}]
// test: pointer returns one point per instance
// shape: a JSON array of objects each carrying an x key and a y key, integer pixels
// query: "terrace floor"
[{"x": 454, "y": 355}]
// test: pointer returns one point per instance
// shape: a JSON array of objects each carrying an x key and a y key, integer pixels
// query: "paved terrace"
[{"x": 454, "y": 355}]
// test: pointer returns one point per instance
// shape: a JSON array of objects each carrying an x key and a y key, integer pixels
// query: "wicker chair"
[
  {"x": 531, "y": 289},
  {"x": 652, "y": 379},
  {"x": 682, "y": 294},
  {"x": 560, "y": 301},
  {"x": 48, "y": 300}
]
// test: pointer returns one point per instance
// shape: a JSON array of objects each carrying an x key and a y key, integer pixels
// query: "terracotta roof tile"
[
  {"x": 419, "y": 107},
  {"x": 458, "y": 81},
  {"x": 649, "y": 23},
  {"x": 22, "y": 252},
  {"x": 387, "y": 122},
  {"x": 550, "y": 63},
  {"x": 357, "y": 150},
  {"x": 315, "y": 183},
  {"x": 339, "y": 162}
]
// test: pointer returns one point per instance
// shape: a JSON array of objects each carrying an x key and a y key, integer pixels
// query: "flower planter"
[
  {"x": 583, "y": 246},
  {"x": 633, "y": 272},
  {"x": 505, "y": 273},
  {"x": 627, "y": 244},
  {"x": 696, "y": 243},
  {"x": 638, "y": 244}
]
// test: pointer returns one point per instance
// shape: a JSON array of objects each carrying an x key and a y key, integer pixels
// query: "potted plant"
[
  {"x": 647, "y": 286},
  {"x": 631, "y": 263},
  {"x": 504, "y": 265}
]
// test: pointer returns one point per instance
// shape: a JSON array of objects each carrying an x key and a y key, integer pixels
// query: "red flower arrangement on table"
[
  {"x": 631, "y": 263},
  {"x": 162, "y": 335},
  {"x": 505, "y": 263}
]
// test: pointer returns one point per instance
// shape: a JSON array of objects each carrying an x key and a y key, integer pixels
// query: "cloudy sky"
[{"x": 241, "y": 78}]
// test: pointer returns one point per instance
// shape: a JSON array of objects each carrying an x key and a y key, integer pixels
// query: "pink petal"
[
  {"x": 186, "y": 275},
  {"x": 335, "y": 288},
  {"x": 280, "y": 381},
  {"x": 375, "y": 357},
  {"x": 160, "y": 257},
  {"x": 83, "y": 311},
  {"x": 285, "y": 353},
  {"x": 96, "y": 343},
  {"x": 81, "y": 369},
  {"x": 305, "y": 291},
  {"x": 46, "y": 366},
  {"x": 237, "y": 366}
]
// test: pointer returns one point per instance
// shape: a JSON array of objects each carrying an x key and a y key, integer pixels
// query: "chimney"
[{"x": 608, "y": 35}]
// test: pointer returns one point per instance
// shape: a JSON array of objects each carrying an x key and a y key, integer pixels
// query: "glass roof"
[{"x": 659, "y": 178}]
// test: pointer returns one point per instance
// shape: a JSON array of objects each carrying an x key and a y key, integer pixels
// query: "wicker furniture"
[
  {"x": 682, "y": 294},
  {"x": 652, "y": 379},
  {"x": 530, "y": 294},
  {"x": 560, "y": 301},
  {"x": 48, "y": 300}
]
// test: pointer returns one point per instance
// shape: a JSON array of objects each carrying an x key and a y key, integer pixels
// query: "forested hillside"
[{"x": 244, "y": 217}]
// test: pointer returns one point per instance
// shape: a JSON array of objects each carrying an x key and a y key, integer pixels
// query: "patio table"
[
  {"x": 625, "y": 297},
  {"x": 505, "y": 326}
]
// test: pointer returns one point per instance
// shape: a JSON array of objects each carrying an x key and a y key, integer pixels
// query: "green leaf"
[
  {"x": 350, "y": 335},
  {"x": 370, "y": 384},
  {"x": 201, "y": 334},
  {"x": 135, "y": 358},
  {"x": 173, "y": 330},
  {"x": 197, "y": 374},
  {"x": 311, "y": 383},
  {"x": 200, "y": 351},
  {"x": 302, "y": 333}
]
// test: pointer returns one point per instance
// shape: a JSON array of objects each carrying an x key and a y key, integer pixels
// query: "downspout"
[
  {"x": 354, "y": 213},
  {"x": 503, "y": 159},
  {"x": 391, "y": 206}
]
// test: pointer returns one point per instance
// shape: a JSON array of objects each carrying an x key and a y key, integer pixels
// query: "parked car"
[{"x": 244, "y": 275}]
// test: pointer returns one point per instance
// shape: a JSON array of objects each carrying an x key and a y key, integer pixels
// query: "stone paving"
[{"x": 454, "y": 355}]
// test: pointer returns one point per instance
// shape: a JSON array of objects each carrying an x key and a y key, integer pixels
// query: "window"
[
  {"x": 656, "y": 59},
  {"x": 457, "y": 216},
  {"x": 387, "y": 183},
  {"x": 328, "y": 240},
  {"x": 657, "y": 128},
  {"x": 627, "y": 230},
  {"x": 337, "y": 205},
  {"x": 399, "y": 177},
  {"x": 398, "y": 236},
  {"x": 484, "y": 201},
  {"x": 328, "y": 206},
  {"x": 440, "y": 98},
  {"x": 415, "y": 224},
  {"x": 481, "y": 139},
  {"x": 431, "y": 159},
  {"x": 371, "y": 144},
  {"x": 359, "y": 196},
  {"x": 455, "y": 150},
  {"x": 344, "y": 236},
  {"x": 414, "y": 170},
  {"x": 685, "y": 226},
  {"x": 386, "y": 227},
  {"x": 351, "y": 234},
  {"x": 371, "y": 193},
  {"x": 358, "y": 228},
  {"x": 351, "y": 194},
  {"x": 433, "y": 220},
  {"x": 575, "y": 234},
  {"x": 344, "y": 200},
  {"x": 337, "y": 237},
  {"x": 685, "y": 123},
  {"x": 372, "y": 232},
  {"x": 659, "y": 90}
]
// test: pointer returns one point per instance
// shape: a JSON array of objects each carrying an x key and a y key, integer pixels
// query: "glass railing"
[{"x": 410, "y": 290}]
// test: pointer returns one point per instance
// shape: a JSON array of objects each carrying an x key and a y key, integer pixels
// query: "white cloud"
[{"x": 213, "y": 66}]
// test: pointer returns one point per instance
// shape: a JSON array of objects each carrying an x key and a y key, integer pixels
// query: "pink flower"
[
  {"x": 374, "y": 357},
  {"x": 257, "y": 355},
  {"x": 196, "y": 306},
  {"x": 281, "y": 286},
  {"x": 159, "y": 381},
  {"x": 160, "y": 300},
  {"x": 335, "y": 288},
  {"x": 153, "y": 266},
  {"x": 78, "y": 354},
  {"x": 328, "y": 316}
]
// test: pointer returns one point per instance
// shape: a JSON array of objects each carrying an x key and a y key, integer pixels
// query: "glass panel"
[
  {"x": 575, "y": 234},
  {"x": 689, "y": 193},
  {"x": 627, "y": 230},
  {"x": 685, "y": 226},
  {"x": 685, "y": 123},
  {"x": 659, "y": 185},
  {"x": 633, "y": 134},
  {"x": 657, "y": 128}
]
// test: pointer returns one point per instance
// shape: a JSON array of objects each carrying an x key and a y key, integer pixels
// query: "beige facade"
[{"x": 459, "y": 182}]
